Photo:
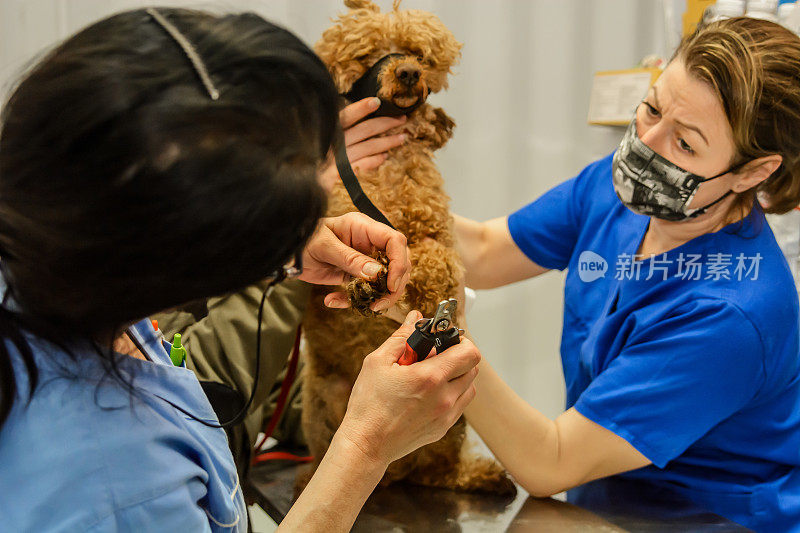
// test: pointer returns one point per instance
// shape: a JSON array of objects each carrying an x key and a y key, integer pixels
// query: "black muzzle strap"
[
  {"x": 350, "y": 181},
  {"x": 369, "y": 84}
]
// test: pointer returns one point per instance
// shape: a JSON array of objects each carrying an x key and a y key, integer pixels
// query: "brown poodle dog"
[{"x": 408, "y": 189}]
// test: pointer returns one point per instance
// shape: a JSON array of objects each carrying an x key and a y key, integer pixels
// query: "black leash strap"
[{"x": 350, "y": 181}]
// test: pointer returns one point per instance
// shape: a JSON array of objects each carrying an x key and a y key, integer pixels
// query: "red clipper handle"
[
  {"x": 427, "y": 335},
  {"x": 418, "y": 345},
  {"x": 409, "y": 357}
]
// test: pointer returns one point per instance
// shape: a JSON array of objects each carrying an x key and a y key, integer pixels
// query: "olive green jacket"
[{"x": 220, "y": 340}]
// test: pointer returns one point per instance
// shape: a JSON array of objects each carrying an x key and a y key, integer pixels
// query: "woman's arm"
[
  {"x": 392, "y": 411},
  {"x": 545, "y": 456},
  {"x": 490, "y": 256},
  {"x": 340, "y": 486}
]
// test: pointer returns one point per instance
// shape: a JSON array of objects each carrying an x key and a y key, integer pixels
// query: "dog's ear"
[
  {"x": 362, "y": 4},
  {"x": 443, "y": 127}
]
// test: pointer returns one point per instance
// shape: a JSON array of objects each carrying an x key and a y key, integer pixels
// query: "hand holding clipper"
[{"x": 439, "y": 332}]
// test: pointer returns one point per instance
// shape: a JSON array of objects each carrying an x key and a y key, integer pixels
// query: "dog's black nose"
[{"x": 408, "y": 74}]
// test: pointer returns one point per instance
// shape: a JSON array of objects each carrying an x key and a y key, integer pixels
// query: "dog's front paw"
[{"x": 363, "y": 293}]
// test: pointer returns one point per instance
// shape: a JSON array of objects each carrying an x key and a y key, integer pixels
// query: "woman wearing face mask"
[
  {"x": 680, "y": 355},
  {"x": 155, "y": 158}
]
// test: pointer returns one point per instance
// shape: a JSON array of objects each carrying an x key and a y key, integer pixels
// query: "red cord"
[
  {"x": 280, "y": 406},
  {"x": 285, "y": 456}
]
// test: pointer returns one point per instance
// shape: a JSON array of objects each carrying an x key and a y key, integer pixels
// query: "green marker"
[{"x": 178, "y": 352}]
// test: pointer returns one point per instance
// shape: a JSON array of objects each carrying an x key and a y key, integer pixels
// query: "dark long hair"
[{"x": 125, "y": 189}]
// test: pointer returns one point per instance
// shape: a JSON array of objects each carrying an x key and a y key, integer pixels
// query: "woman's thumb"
[
  {"x": 393, "y": 348},
  {"x": 353, "y": 262}
]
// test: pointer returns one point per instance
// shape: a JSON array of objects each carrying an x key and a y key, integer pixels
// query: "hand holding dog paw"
[
  {"x": 338, "y": 249},
  {"x": 393, "y": 409}
]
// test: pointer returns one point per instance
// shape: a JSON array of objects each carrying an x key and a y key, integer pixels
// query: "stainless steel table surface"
[{"x": 607, "y": 505}]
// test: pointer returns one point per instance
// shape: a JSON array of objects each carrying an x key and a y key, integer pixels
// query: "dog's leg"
[
  {"x": 444, "y": 464},
  {"x": 469, "y": 474},
  {"x": 434, "y": 277}
]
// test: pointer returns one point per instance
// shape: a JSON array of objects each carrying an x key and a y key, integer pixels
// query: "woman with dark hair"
[{"x": 155, "y": 158}]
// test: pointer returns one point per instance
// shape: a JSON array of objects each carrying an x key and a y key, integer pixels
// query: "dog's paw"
[
  {"x": 363, "y": 293},
  {"x": 503, "y": 486}
]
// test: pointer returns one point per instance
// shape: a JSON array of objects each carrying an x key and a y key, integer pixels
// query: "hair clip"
[{"x": 188, "y": 49}]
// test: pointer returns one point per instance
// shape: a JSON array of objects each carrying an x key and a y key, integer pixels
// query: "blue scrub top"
[
  {"x": 691, "y": 356},
  {"x": 85, "y": 455}
]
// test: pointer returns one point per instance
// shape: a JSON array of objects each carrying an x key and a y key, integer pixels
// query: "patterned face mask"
[{"x": 651, "y": 185}]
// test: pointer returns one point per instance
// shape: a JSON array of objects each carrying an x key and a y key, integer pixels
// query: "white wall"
[{"x": 520, "y": 99}]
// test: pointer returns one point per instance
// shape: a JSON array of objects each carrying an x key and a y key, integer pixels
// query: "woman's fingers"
[
  {"x": 374, "y": 146},
  {"x": 358, "y": 110},
  {"x": 461, "y": 383},
  {"x": 456, "y": 361},
  {"x": 338, "y": 251},
  {"x": 337, "y": 300},
  {"x": 462, "y": 402},
  {"x": 370, "y": 128},
  {"x": 363, "y": 233},
  {"x": 348, "y": 260},
  {"x": 394, "y": 296},
  {"x": 392, "y": 349},
  {"x": 368, "y": 163}
]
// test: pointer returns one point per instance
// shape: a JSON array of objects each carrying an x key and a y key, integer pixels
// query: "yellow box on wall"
[{"x": 694, "y": 14}]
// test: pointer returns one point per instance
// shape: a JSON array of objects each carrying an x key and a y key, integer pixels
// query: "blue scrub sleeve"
[
  {"x": 547, "y": 229},
  {"x": 674, "y": 381}
]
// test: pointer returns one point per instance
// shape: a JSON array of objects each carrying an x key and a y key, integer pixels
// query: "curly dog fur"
[{"x": 409, "y": 190}]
